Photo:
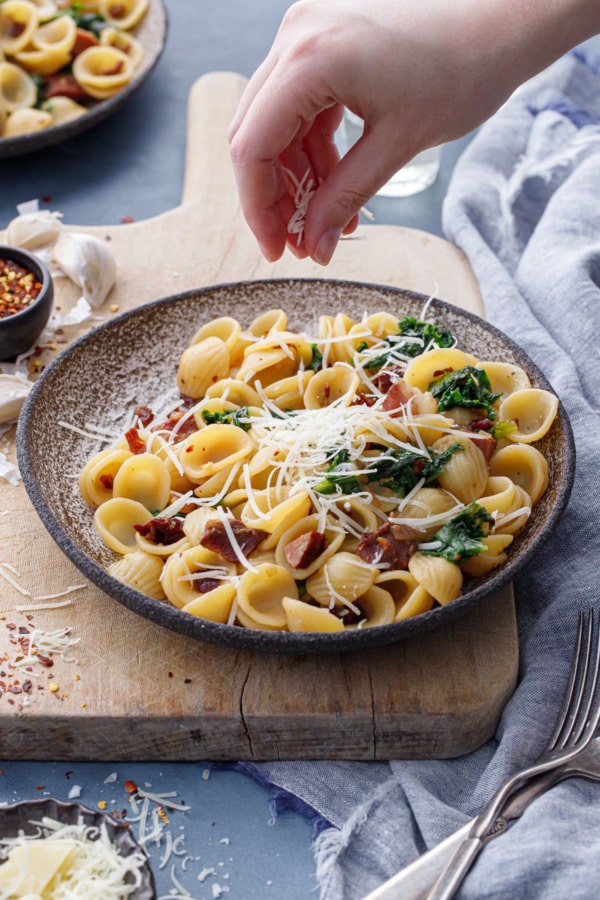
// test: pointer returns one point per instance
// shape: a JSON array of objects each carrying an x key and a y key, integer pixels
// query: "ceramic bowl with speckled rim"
[
  {"x": 20, "y": 330},
  {"x": 23, "y": 817},
  {"x": 133, "y": 360},
  {"x": 152, "y": 34}
]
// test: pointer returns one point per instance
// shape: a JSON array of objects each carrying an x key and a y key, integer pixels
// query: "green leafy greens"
[
  {"x": 228, "y": 417},
  {"x": 462, "y": 537},
  {"x": 468, "y": 388},
  {"x": 414, "y": 338}
]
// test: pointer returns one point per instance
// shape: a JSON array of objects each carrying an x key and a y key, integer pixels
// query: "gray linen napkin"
[{"x": 524, "y": 205}]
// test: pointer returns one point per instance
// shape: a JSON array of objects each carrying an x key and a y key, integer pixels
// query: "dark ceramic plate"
[
  {"x": 151, "y": 33},
  {"x": 133, "y": 359},
  {"x": 22, "y": 816}
]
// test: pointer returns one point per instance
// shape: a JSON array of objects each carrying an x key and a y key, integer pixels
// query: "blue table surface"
[{"x": 132, "y": 164}]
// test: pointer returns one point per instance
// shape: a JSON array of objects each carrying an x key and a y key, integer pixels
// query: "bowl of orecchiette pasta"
[
  {"x": 297, "y": 466},
  {"x": 66, "y": 65}
]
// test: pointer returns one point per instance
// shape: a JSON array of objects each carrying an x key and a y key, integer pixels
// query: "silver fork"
[{"x": 577, "y": 723}]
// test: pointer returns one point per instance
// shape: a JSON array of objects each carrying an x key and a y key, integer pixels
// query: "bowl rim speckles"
[
  {"x": 19, "y": 331},
  {"x": 152, "y": 33},
  {"x": 23, "y": 815},
  {"x": 141, "y": 349}
]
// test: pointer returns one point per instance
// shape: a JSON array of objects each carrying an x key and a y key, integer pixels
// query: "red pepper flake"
[
  {"x": 68, "y": 773},
  {"x": 19, "y": 287},
  {"x": 40, "y": 787},
  {"x": 127, "y": 220},
  {"x": 131, "y": 787}
]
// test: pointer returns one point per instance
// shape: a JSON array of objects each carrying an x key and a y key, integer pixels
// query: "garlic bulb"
[
  {"x": 88, "y": 262},
  {"x": 13, "y": 392},
  {"x": 34, "y": 230}
]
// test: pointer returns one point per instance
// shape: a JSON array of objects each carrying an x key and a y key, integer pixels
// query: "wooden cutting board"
[{"x": 129, "y": 689}]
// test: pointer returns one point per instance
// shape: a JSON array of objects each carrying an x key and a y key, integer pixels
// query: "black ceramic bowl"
[
  {"x": 21, "y": 817},
  {"x": 20, "y": 331},
  {"x": 133, "y": 359}
]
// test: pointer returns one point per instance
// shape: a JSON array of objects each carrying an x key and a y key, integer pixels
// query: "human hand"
[{"x": 418, "y": 73}]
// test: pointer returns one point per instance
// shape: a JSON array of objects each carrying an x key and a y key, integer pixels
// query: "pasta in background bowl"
[
  {"x": 57, "y": 78},
  {"x": 188, "y": 585}
]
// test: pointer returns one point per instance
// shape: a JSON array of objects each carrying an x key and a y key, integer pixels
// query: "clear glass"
[{"x": 414, "y": 177}]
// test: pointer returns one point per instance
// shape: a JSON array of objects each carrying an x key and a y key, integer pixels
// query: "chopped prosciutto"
[
  {"x": 397, "y": 396},
  {"x": 303, "y": 550},
  {"x": 391, "y": 545},
  {"x": 162, "y": 530},
  {"x": 64, "y": 85},
  {"x": 136, "y": 444},
  {"x": 144, "y": 414},
  {"x": 482, "y": 439},
  {"x": 205, "y": 585},
  {"x": 84, "y": 39},
  {"x": 215, "y": 538}
]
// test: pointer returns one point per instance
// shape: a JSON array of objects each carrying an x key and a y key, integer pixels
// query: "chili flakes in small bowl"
[{"x": 26, "y": 297}]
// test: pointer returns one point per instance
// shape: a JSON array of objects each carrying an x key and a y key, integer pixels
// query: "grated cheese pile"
[{"x": 68, "y": 862}]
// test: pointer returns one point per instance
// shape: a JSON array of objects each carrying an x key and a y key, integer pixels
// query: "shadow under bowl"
[{"x": 20, "y": 331}]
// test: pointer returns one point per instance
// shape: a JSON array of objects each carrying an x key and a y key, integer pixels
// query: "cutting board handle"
[{"x": 209, "y": 178}]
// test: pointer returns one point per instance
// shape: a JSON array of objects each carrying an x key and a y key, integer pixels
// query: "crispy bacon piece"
[
  {"x": 64, "y": 85},
  {"x": 205, "y": 585},
  {"x": 162, "y": 530},
  {"x": 481, "y": 438},
  {"x": 144, "y": 414},
  {"x": 136, "y": 444},
  {"x": 397, "y": 396},
  {"x": 84, "y": 39},
  {"x": 215, "y": 538},
  {"x": 392, "y": 545},
  {"x": 304, "y": 549}
]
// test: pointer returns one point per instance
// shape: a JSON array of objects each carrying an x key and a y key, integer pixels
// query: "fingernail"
[{"x": 326, "y": 245}]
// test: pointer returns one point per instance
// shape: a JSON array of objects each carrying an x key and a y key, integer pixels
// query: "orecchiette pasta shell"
[
  {"x": 102, "y": 71},
  {"x": 377, "y": 608},
  {"x": 271, "y": 320},
  {"x": 145, "y": 478},
  {"x": 97, "y": 477},
  {"x": 201, "y": 366},
  {"x": 337, "y": 384},
  {"x": 303, "y": 616},
  {"x": 504, "y": 377},
  {"x": 237, "y": 392},
  {"x": 465, "y": 474},
  {"x": 46, "y": 9},
  {"x": 123, "y": 14},
  {"x": 18, "y": 21},
  {"x": 263, "y": 511},
  {"x": 140, "y": 571},
  {"x": 399, "y": 583},
  {"x": 424, "y": 369},
  {"x": 114, "y": 521},
  {"x": 516, "y": 519},
  {"x": 63, "y": 109},
  {"x": 333, "y": 540},
  {"x": 418, "y": 602},
  {"x": 213, "y": 449},
  {"x": 381, "y": 324},
  {"x": 184, "y": 569},
  {"x": 440, "y": 578},
  {"x": 26, "y": 121},
  {"x": 288, "y": 393},
  {"x": 228, "y": 330},
  {"x": 500, "y": 495},
  {"x": 17, "y": 88},
  {"x": 524, "y": 465},
  {"x": 215, "y": 605},
  {"x": 424, "y": 511},
  {"x": 126, "y": 43},
  {"x": 342, "y": 579},
  {"x": 257, "y": 473},
  {"x": 266, "y": 367},
  {"x": 260, "y": 595},
  {"x": 59, "y": 34},
  {"x": 533, "y": 410},
  {"x": 162, "y": 550},
  {"x": 492, "y": 557}
]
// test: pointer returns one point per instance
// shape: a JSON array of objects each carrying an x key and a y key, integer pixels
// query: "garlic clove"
[
  {"x": 87, "y": 261},
  {"x": 34, "y": 230},
  {"x": 13, "y": 393}
]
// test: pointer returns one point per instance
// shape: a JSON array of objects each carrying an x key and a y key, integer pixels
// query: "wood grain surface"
[{"x": 129, "y": 689}]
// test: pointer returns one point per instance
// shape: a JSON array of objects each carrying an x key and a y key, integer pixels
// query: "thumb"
[{"x": 358, "y": 176}]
